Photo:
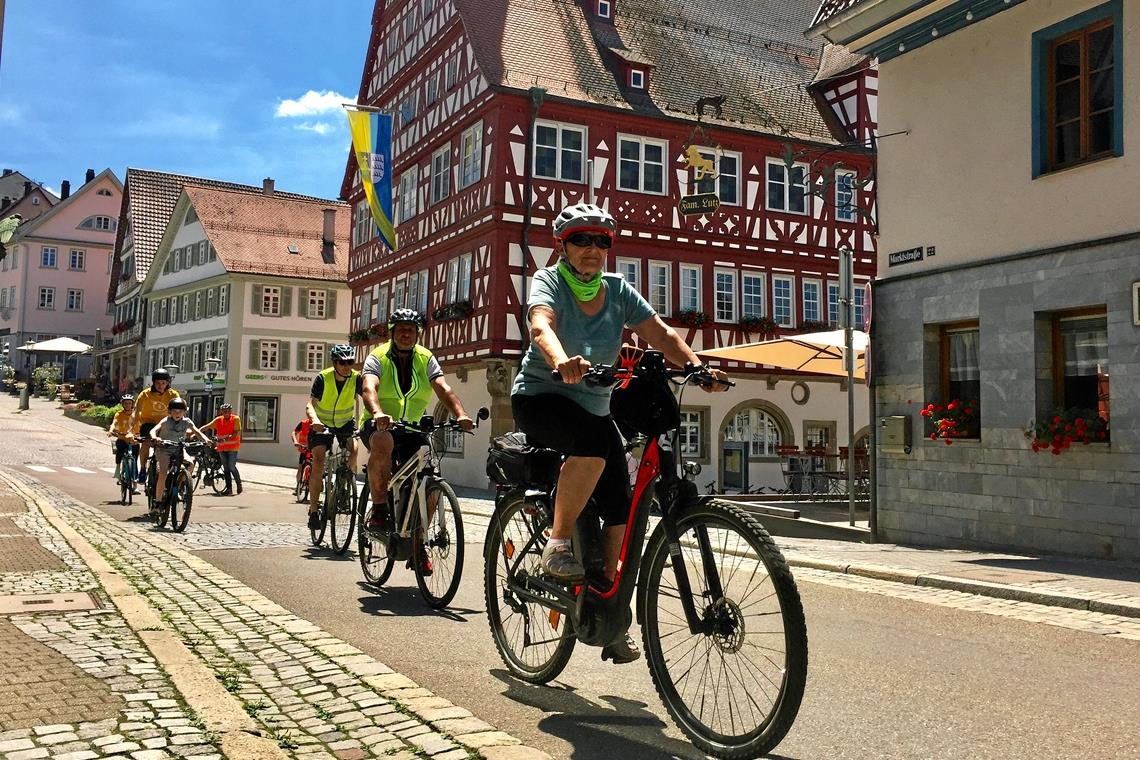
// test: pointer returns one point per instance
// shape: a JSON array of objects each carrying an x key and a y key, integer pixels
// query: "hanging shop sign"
[{"x": 701, "y": 203}]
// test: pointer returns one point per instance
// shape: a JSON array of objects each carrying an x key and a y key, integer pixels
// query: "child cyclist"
[
  {"x": 125, "y": 431},
  {"x": 173, "y": 427}
]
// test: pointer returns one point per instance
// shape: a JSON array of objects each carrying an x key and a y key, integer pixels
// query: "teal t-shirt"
[{"x": 597, "y": 338}]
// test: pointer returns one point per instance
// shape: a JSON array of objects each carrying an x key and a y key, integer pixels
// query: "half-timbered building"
[{"x": 507, "y": 111}]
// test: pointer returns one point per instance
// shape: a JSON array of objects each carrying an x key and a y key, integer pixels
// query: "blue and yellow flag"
[{"x": 372, "y": 144}]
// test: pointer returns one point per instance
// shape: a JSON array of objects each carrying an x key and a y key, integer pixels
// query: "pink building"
[{"x": 54, "y": 280}]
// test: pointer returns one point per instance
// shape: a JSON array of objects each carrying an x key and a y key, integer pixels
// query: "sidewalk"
[{"x": 116, "y": 643}]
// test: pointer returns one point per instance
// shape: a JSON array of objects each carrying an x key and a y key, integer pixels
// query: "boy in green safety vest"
[
  {"x": 331, "y": 407},
  {"x": 400, "y": 377}
]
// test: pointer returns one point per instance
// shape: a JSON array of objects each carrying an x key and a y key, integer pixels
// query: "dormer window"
[
  {"x": 637, "y": 79},
  {"x": 605, "y": 9}
]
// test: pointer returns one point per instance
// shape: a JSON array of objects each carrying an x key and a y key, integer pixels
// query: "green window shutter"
[
  {"x": 256, "y": 300},
  {"x": 303, "y": 303},
  {"x": 254, "y": 347},
  {"x": 330, "y": 304},
  {"x": 283, "y": 355},
  {"x": 286, "y": 301}
]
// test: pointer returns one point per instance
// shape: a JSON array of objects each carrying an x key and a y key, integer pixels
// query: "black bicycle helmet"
[
  {"x": 176, "y": 403},
  {"x": 406, "y": 316},
  {"x": 160, "y": 374},
  {"x": 343, "y": 352}
]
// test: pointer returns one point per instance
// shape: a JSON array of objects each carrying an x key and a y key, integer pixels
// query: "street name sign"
[{"x": 904, "y": 257}]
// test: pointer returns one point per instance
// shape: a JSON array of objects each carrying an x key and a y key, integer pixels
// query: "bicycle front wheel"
[
  {"x": 376, "y": 558},
  {"x": 534, "y": 642},
  {"x": 443, "y": 544},
  {"x": 301, "y": 492},
  {"x": 181, "y": 503},
  {"x": 735, "y": 687},
  {"x": 216, "y": 478},
  {"x": 341, "y": 513}
]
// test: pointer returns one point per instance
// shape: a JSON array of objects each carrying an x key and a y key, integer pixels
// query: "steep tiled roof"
[
  {"x": 754, "y": 53},
  {"x": 252, "y": 232},
  {"x": 836, "y": 60},
  {"x": 151, "y": 196}
]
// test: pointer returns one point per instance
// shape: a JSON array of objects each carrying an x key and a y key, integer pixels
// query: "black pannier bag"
[
  {"x": 644, "y": 407},
  {"x": 511, "y": 461}
]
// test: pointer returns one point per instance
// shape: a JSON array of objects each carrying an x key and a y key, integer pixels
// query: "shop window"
[
  {"x": 1080, "y": 364},
  {"x": 259, "y": 418}
]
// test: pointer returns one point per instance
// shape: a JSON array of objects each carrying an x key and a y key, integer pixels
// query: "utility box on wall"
[{"x": 895, "y": 438}]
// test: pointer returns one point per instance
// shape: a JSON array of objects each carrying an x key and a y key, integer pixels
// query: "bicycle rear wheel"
[
  {"x": 181, "y": 502},
  {"x": 534, "y": 642},
  {"x": 342, "y": 513},
  {"x": 376, "y": 558},
  {"x": 735, "y": 688},
  {"x": 443, "y": 543}
]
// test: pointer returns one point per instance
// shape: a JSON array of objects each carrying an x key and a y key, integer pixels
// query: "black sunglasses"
[
  {"x": 344, "y": 362},
  {"x": 583, "y": 239}
]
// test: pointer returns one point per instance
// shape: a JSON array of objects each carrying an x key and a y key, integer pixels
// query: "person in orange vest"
[
  {"x": 227, "y": 427},
  {"x": 301, "y": 443}
]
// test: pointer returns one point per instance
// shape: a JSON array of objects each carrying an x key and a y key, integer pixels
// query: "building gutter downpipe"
[{"x": 537, "y": 95}]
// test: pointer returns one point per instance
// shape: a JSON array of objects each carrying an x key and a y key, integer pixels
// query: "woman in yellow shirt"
[{"x": 150, "y": 408}]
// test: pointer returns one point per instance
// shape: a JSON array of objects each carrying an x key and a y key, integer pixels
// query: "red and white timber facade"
[{"x": 476, "y": 208}]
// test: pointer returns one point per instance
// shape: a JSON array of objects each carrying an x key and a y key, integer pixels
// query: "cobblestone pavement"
[
  {"x": 316, "y": 696},
  {"x": 80, "y": 684}
]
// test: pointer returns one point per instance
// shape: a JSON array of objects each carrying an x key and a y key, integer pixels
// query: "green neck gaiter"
[{"x": 583, "y": 291}]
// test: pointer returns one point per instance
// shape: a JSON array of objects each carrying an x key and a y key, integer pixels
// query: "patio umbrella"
[
  {"x": 61, "y": 346},
  {"x": 820, "y": 352}
]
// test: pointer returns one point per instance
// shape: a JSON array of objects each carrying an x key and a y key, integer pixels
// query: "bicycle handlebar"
[{"x": 609, "y": 374}]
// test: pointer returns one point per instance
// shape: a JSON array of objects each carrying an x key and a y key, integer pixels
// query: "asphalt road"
[{"x": 889, "y": 678}]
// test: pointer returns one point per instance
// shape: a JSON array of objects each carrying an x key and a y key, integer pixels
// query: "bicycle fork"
[{"x": 698, "y": 624}]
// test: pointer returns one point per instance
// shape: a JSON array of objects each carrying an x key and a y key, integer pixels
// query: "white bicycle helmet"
[{"x": 584, "y": 217}]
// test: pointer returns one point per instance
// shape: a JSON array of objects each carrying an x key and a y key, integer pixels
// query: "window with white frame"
[
  {"x": 317, "y": 305},
  {"x": 559, "y": 151},
  {"x": 860, "y": 313},
  {"x": 211, "y": 302},
  {"x": 47, "y": 298},
  {"x": 399, "y": 293},
  {"x": 452, "y": 71},
  {"x": 471, "y": 159},
  {"x": 726, "y": 169},
  {"x": 365, "y": 305},
  {"x": 77, "y": 260},
  {"x": 459, "y": 278},
  {"x": 363, "y": 229},
  {"x": 223, "y": 299},
  {"x": 787, "y": 191},
  {"x": 408, "y": 109},
  {"x": 689, "y": 441},
  {"x": 641, "y": 164},
  {"x": 3, "y": 298},
  {"x": 724, "y": 288},
  {"x": 184, "y": 315},
  {"x": 267, "y": 353},
  {"x": 199, "y": 304},
  {"x": 203, "y": 252},
  {"x": 604, "y": 9},
  {"x": 832, "y": 302},
  {"x": 432, "y": 89},
  {"x": 314, "y": 357},
  {"x": 380, "y": 307},
  {"x": 420, "y": 302},
  {"x": 637, "y": 79},
  {"x": 752, "y": 295},
  {"x": 441, "y": 174},
  {"x": 195, "y": 357},
  {"x": 782, "y": 301},
  {"x": 845, "y": 196},
  {"x": 630, "y": 269},
  {"x": 221, "y": 354},
  {"x": 811, "y": 300},
  {"x": 270, "y": 300},
  {"x": 659, "y": 287},
  {"x": 47, "y": 257},
  {"x": 757, "y": 427},
  {"x": 690, "y": 288},
  {"x": 407, "y": 196},
  {"x": 74, "y": 299}
]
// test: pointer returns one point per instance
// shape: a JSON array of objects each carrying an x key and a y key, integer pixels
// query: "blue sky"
[{"x": 234, "y": 90}]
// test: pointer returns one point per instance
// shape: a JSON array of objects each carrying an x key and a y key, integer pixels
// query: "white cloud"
[
  {"x": 312, "y": 103},
  {"x": 320, "y": 127}
]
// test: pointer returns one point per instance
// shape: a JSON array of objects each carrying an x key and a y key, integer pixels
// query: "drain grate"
[{"x": 15, "y": 604}]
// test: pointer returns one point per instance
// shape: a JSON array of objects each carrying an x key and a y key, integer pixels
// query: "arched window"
[
  {"x": 99, "y": 222},
  {"x": 757, "y": 426}
]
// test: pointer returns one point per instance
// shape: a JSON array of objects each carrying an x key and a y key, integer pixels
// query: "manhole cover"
[{"x": 16, "y": 604}]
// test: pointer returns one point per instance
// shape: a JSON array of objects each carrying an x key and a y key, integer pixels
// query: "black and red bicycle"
[{"x": 721, "y": 619}]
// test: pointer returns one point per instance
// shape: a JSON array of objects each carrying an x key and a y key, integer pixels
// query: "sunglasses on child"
[{"x": 583, "y": 239}]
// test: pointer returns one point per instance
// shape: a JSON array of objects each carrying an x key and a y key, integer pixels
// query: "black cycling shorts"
[
  {"x": 405, "y": 443},
  {"x": 556, "y": 422},
  {"x": 144, "y": 430},
  {"x": 342, "y": 433}
]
